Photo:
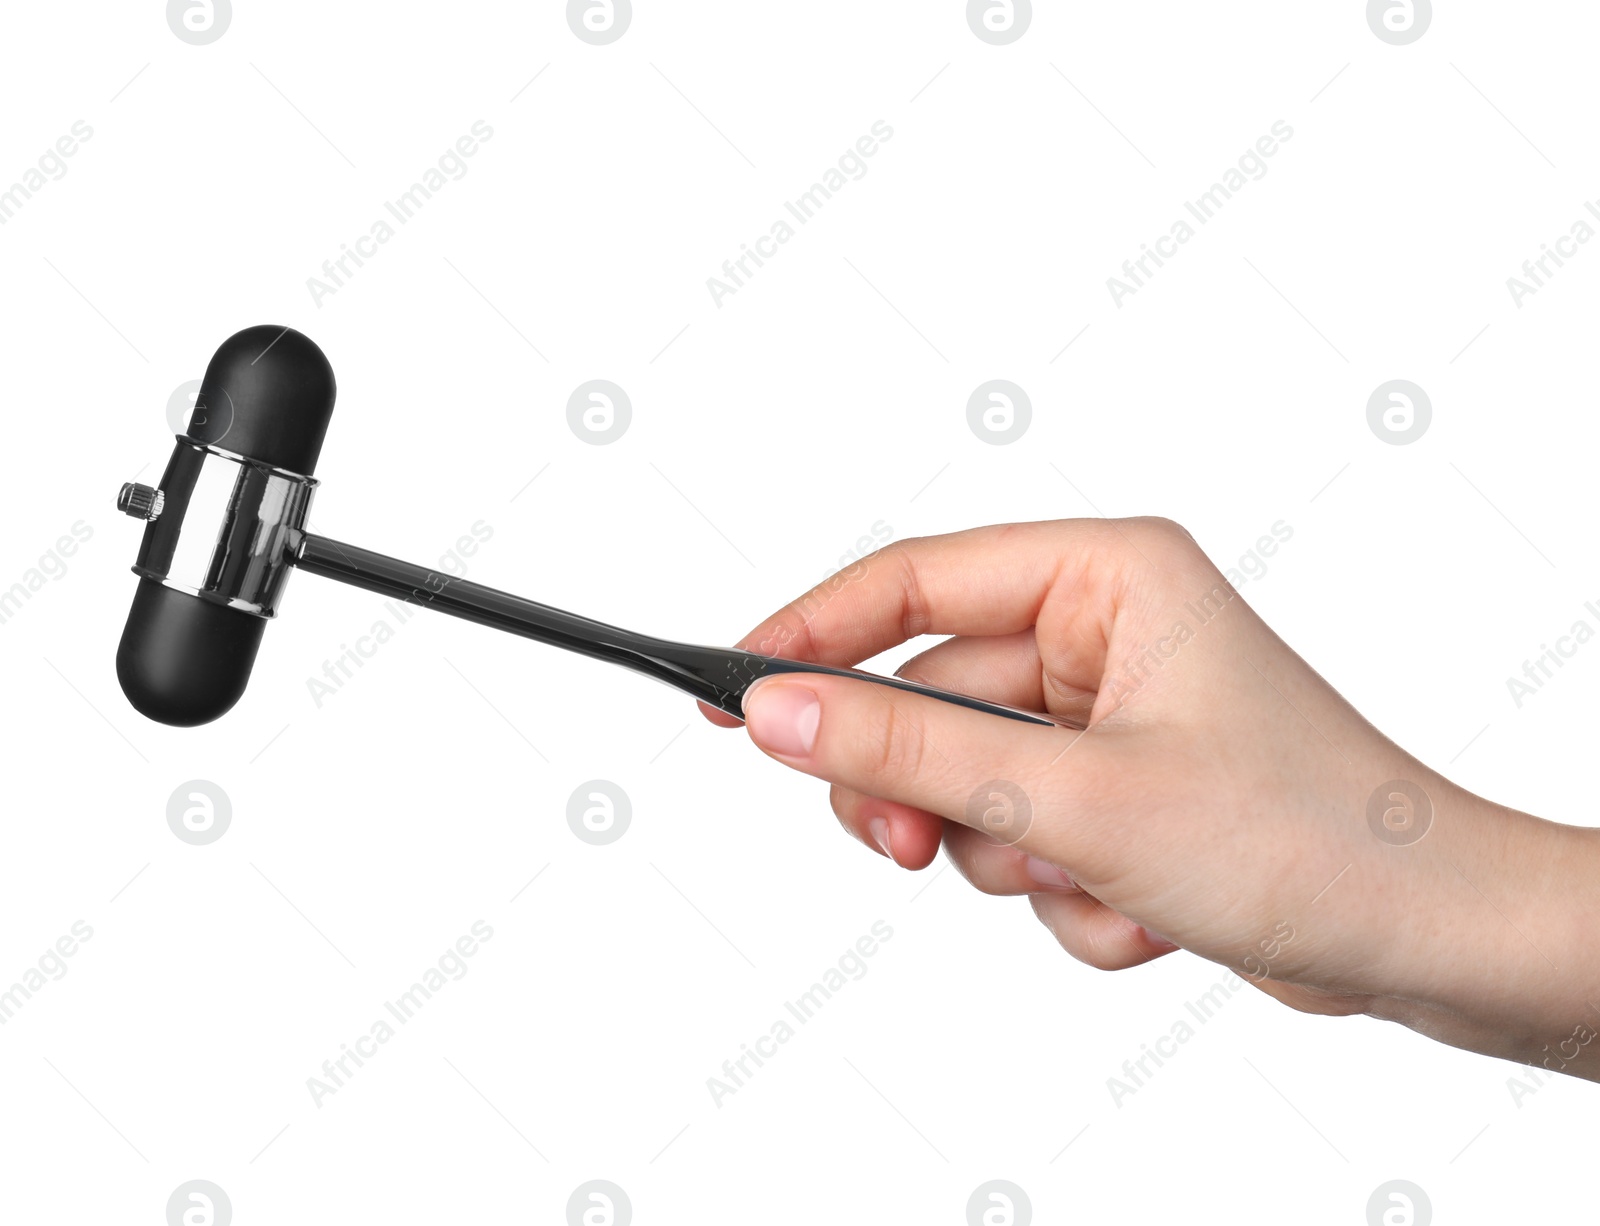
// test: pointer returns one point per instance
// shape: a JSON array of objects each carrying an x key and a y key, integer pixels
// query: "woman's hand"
[{"x": 1224, "y": 798}]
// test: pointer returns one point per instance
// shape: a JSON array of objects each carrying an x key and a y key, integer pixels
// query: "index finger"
[{"x": 983, "y": 581}]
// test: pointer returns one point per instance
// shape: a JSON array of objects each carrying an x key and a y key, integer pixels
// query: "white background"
[{"x": 769, "y": 435}]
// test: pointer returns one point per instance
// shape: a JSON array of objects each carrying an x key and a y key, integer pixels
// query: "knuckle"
[
  {"x": 968, "y": 856},
  {"x": 1156, "y": 537},
  {"x": 985, "y": 885},
  {"x": 895, "y": 553},
  {"x": 1162, "y": 528},
  {"x": 1102, "y": 950},
  {"x": 1095, "y": 944},
  {"x": 1169, "y": 543},
  {"x": 902, "y": 555},
  {"x": 998, "y": 883},
  {"x": 894, "y": 746},
  {"x": 1114, "y": 942}
]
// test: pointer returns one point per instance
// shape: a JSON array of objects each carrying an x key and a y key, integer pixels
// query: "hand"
[{"x": 1224, "y": 798}]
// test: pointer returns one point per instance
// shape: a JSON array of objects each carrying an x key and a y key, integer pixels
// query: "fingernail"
[
  {"x": 878, "y": 827},
  {"x": 782, "y": 718},
  {"x": 1048, "y": 874},
  {"x": 1156, "y": 939}
]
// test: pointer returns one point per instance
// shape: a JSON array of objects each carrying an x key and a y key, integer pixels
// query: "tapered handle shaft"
[{"x": 718, "y": 676}]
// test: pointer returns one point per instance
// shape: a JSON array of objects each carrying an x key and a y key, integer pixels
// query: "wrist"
[{"x": 1504, "y": 961}]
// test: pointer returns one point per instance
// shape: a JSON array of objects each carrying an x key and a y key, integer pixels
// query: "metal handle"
[{"x": 718, "y": 676}]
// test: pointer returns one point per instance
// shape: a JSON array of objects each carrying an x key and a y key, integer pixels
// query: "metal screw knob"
[{"x": 140, "y": 501}]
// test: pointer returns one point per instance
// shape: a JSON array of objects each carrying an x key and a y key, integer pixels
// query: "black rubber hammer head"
[{"x": 223, "y": 525}]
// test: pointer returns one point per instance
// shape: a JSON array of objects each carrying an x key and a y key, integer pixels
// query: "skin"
[{"x": 1217, "y": 802}]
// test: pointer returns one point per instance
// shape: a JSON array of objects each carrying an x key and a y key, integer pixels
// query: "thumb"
[{"x": 981, "y": 770}]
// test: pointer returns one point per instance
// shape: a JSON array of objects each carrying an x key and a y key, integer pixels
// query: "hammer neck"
[{"x": 696, "y": 670}]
